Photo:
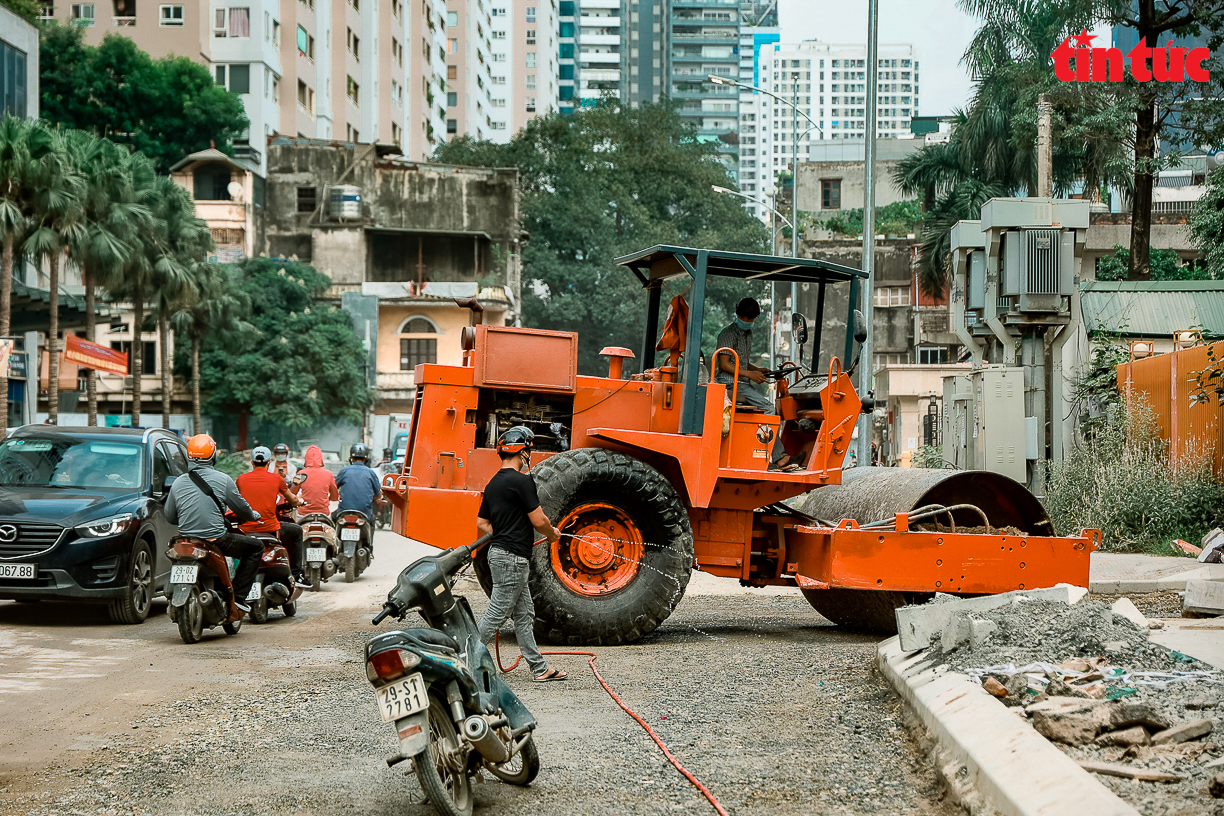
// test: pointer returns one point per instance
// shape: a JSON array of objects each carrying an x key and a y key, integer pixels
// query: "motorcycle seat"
[{"x": 433, "y": 637}]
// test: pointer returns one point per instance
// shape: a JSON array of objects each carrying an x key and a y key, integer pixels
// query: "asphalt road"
[{"x": 773, "y": 709}]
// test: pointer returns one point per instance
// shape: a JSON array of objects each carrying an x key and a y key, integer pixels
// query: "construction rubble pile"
[{"x": 1148, "y": 720}]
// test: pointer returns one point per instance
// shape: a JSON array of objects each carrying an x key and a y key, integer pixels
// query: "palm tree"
[
  {"x": 216, "y": 310},
  {"x": 57, "y": 212},
  {"x": 113, "y": 219},
  {"x": 22, "y": 145},
  {"x": 187, "y": 240}
]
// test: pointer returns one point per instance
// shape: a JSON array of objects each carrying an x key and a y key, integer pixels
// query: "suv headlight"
[{"x": 106, "y": 527}]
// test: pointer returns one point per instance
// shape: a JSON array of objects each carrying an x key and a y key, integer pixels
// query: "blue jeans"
[{"x": 511, "y": 598}]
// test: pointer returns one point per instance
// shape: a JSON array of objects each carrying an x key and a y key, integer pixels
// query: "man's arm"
[
  {"x": 541, "y": 523},
  {"x": 235, "y": 501},
  {"x": 171, "y": 509},
  {"x": 484, "y": 526},
  {"x": 290, "y": 497},
  {"x": 747, "y": 370}
]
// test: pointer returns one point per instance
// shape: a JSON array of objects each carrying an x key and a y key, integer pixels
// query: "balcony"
[
  {"x": 599, "y": 39},
  {"x": 396, "y": 380},
  {"x": 602, "y": 74},
  {"x": 600, "y": 22},
  {"x": 600, "y": 57},
  {"x": 719, "y": 4},
  {"x": 727, "y": 35},
  {"x": 694, "y": 91}
]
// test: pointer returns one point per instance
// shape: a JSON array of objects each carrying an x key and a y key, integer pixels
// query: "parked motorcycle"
[
  {"x": 382, "y": 512},
  {"x": 274, "y": 586},
  {"x": 355, "y": 534},
  {"x": 319, "y": 540},
  {"x": 440, "y": 687},
  {"x": 202, "y": 594}
]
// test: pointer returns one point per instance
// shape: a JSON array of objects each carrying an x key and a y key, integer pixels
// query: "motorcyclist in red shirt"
[{"x": 261, "y": 488}]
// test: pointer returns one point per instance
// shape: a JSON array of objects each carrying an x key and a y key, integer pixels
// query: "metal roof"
[
  {"x": 1153, "y": 308},
  {"x": 662, "y": 262}
]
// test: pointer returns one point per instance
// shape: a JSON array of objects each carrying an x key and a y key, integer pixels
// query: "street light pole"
[{"x": 867, "y": 358}]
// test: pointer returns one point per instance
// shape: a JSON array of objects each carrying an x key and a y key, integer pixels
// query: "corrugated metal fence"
[{"x": 1166, "y": 383}]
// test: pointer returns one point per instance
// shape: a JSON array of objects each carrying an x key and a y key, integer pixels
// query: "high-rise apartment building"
[
  {"x": 758, "y": 28},
  {"x": 469, "y": 58},
  {"x": 827, "y": 84},
  {"x": 704, "y": 39},
  {"x": 327, "y": 69},
  {"x": 524, "y": 64}
]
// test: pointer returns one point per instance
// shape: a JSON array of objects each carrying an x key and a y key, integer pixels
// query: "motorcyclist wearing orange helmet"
[{"x": 197, "y": 503}]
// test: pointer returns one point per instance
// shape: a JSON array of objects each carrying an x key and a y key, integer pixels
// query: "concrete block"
[
  {"x": 919, "y": 625},
  {"x": 955, "y": 632},
  {"x": 1204, "y": 597},
  {"x": 1183, "y": 733},
  {"x": 980, "y": 630},
  {"x": 1125, "y": 608}
]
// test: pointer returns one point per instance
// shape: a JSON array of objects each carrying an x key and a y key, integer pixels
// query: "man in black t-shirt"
[{"x": 509, "y": 510}]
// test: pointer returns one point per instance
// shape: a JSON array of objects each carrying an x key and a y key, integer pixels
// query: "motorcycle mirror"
[{"x": 799, "y": 329}]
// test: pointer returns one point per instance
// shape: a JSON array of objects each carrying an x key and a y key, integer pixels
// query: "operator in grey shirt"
[
  {"x": 738, "y": 337},
  {"x": 198, "y": 514}
]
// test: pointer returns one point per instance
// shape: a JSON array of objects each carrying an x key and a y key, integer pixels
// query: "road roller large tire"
[
  {"x": 631, "y": 564},
  {"x": 863, "y": 610}
]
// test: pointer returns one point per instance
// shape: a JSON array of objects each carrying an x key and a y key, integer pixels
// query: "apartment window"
[
  {"x": 498, "y": 80},
  {"x": 305, "y": 97},
  {"x": 307, "y": 199},
  {"x": 231, "y": 22},
  {"x": 531, "y": 82},
  {"x": 354, "y": 91},
  {"x": 932, "y": 356},
  {"x": 169, "y": 16},
  {"x": 124, "y": 12},
  {"x": 395, "y": 133},
  {"x": 148, "y": 357},
  {"x": 452, "y": 46},
  {"x": 47, "y": 11},
  {"x": 531, "y": 59},
  {"x": 531, "y": 14},
  {"x": 415, "y": 351},
  {"x": 830, "y": 194},
  {"x": 498, "y": 57},
  {"x": 452, "y": 72},
  {"x": 235, "y": 78},
  {"x": 13, "y": 66},
  {"x": 567, "y": 51},
  {"x": 397, "y": 52},
  {"x": 452, "y": 18},
  {"x": 353, "y": 135},
  {"x": 275, "y": 89},
  {"x": 353, "y": 42},
  {"x": 83, "y": 14},
  {"x": 452, "y": 125},
  {"x": 276, "y": 33},
  {"x": 397, "y": 9},
  {"x": 531, "y": 36},
  {"x": 892, "y": 296},
  {"x": 498, "y": 35},
  {"x": 356, "y": 4},
  {"x": 531, "y": 104},
  {"x": 452, "y": 99}
]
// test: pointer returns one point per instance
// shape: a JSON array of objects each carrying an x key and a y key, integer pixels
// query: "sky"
[{"x": 937, "y": 28}]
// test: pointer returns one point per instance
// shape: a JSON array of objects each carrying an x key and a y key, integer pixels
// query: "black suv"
[{"x": 81, "y": 515}]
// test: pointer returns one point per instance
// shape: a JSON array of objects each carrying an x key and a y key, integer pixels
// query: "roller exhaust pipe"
[{"x": 485, "y": 740}]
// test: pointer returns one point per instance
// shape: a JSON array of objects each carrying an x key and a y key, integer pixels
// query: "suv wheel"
[{"x": 133, "y": 606}]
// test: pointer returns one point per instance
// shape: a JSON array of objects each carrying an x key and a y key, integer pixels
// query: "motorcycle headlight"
[{"x": 106, "y": 527}]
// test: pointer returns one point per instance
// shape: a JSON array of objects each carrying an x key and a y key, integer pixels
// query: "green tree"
[
  {"x": 1166, "y": 265},
  {"x": 603, "y": 182},
  {"x": 1206, "y": 225},
  {"x": 113, "y": 218},
  {"x": 58, "y": 208},
  {"x": 28, "y": 10},
  {"x": 165, "y": 108},
  {"x": 23, "y": 146},
  {"x": 306, "y": 361},
  {"x": 897, "y": 218},
  {"x": 215, "y": 306}
]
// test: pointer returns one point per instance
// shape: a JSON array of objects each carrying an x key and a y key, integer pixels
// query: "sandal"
[{"x": 550, "y": 675}]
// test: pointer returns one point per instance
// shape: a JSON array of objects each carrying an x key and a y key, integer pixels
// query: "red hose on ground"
[{"x": 591, "y": 662}]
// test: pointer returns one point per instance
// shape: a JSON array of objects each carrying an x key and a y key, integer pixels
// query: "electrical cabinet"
[{"x": 984, "y": 423}]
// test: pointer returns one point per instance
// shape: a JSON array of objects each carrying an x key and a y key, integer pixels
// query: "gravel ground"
[
  {"x": 1051, "y": 633},
  {"x": 1166, "y": 604},
  {"x": 773, "y": 709}
]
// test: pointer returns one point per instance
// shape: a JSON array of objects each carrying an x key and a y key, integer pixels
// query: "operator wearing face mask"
[{"x": 738, "y": 337}]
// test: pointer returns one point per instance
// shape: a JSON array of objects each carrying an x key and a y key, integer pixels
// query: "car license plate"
[
  {"x": 184, "y": 573},
  {"x": 20, "y": 571},
  {"x": 398, "y": 700},
  {"x": 316, "y": 553},
  {"x": 256, "y": 592},
  {"x": 350, "y": 534}
]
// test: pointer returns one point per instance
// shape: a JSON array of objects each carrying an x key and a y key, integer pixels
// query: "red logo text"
[{"x": 1167, "y": 64}]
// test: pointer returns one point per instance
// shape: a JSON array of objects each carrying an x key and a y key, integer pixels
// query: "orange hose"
[{"x": 591, "y": 662}]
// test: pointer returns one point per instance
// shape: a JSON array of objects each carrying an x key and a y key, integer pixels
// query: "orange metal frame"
[{"x": 723, "y": 480}]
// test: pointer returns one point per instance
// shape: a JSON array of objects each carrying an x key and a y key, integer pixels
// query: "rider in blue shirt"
[{"x": 359, "y": 486}]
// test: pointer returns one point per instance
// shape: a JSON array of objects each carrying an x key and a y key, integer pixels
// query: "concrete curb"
[
  {"x": 985, "y": 749},
  {"x": 1177, "y": 581}
]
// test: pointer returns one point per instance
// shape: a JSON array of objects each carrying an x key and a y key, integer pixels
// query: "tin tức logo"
[{"x": 1147, "y": 64}]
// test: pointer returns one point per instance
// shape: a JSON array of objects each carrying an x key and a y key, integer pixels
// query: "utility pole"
[
  {"x": 867, "y": 360},
  {"x": 1045, "y": 148}
]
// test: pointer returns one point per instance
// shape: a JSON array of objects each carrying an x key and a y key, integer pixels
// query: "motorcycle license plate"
[
  {"x": 398, "y": 700},
  {"x": 350, "y": 534},
  {"x": 316, "y": 553},
  {"x": 19, "y": 571},
  {"x": 256, "y": 592},
  {"x": 184, "y": 573}
]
